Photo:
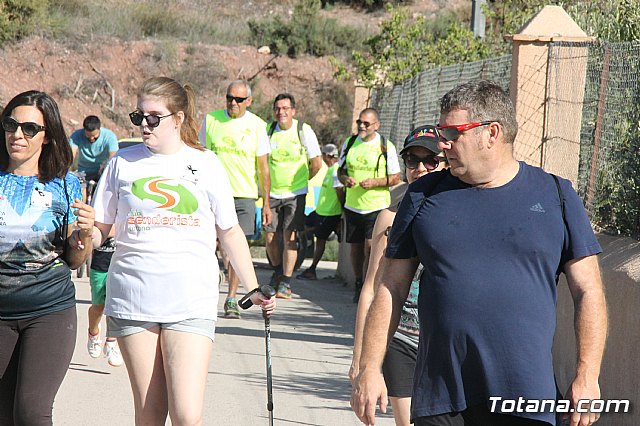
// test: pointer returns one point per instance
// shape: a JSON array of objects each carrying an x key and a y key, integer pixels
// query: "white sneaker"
[
  {"x": 112, "y": 352},
  {"x": 94, "y": 345}
]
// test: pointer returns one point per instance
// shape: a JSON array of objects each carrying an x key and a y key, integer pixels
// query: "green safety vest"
[
  {"x": 288, "y": 163},
  {"x": 235, "y": 142},
  {"x": 328, "y": 201},
  {"x": 362, "y": 162}
]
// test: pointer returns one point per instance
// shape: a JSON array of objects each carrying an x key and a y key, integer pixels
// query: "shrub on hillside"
[
  {"x": 306, "y": 32},
  {"x": 20, "y": 18}
]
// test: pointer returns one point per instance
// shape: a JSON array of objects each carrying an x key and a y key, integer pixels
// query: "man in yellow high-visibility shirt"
[
  {"x": 239, "y": 138},
  {"x": 295, "y": 158},
  {"x": 368, "y": 166}
]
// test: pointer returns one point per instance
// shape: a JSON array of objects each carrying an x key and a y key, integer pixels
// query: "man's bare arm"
[
  {"x": 392, "y": 283},
  {"x": 378, "y": 244},
  {"x": 315, "y": 164},
  {"x": 381, "y": 182},
  {"x": 591, "y": 323},
  {"x": 265, "y": 181}
]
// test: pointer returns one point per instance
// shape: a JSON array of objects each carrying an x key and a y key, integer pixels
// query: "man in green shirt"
[
  {"x": 239, "y": 138},
  {"x": 295, "y": 158},
  {"x": 368, "y": 166},
  {"x": 326, "y": 216}
]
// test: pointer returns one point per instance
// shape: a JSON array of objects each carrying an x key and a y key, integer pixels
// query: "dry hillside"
[
  {"x": 100, "y": 76},
  {"x": 105, "y": 84}
]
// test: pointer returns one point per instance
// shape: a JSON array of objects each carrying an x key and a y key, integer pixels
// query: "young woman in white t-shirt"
[{"x": 168, "y": 200}]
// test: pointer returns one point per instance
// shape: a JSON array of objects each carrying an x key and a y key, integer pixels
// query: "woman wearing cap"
[{"x": 420, "y": 155}]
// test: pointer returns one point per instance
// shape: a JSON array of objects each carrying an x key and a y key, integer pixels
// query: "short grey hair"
[
  {"x": 244, "y": 83},
  {"x": 484, "y": 100}
]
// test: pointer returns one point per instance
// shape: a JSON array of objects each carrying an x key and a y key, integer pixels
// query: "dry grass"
[{"x": 190, "y": 21}]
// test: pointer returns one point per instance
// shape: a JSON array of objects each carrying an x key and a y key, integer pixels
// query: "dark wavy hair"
[{"x": 56, "y": 157}]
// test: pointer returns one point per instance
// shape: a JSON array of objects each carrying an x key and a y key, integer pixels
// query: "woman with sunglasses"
[
  {"x": 168, "y": 199},
  {"x": 44, "y": 232},
  {"x": 420, "y": 155}
]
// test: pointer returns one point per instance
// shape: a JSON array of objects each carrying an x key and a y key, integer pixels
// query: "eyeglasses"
[
  {"x": 366, "y": 124},
  {"x": 430, "y": 163},
  {"x": 238, "y": 99},
  {"x": 29, "y": 129},
  {"x": 453, "y": 132},
  {"x": 152, "y": 120}
]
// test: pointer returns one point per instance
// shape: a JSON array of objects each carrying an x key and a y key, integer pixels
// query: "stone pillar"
[{"x": 548, "y": 97}]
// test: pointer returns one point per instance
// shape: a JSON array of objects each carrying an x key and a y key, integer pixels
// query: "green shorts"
[{"x": 98, "y": 282}]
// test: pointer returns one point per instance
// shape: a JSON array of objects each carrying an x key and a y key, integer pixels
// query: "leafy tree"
[{"x": 405, "y": 46}]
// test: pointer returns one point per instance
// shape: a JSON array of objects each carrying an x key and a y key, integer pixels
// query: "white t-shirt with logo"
[{"x": 165, "y": 209}]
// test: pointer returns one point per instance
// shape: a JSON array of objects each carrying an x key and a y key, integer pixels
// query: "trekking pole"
[
  {"x": 246, "y": 303},
  {"x": 91, "y": 187}
]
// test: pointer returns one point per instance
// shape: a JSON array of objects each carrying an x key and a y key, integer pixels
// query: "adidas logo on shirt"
[{"x": 537, "y": 208}]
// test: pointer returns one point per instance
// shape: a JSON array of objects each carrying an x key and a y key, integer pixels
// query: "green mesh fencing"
[
  {"x": 609, "y": 145},
  {"x": 415, "y": 102}
]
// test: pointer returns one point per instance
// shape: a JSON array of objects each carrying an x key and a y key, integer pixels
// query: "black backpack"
[
  {"x": 383, "y": 154},
  {"x": 272, "y": 128}
]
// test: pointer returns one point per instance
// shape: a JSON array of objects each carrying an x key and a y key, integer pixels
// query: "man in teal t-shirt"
[{"x": 93, "y": 146}]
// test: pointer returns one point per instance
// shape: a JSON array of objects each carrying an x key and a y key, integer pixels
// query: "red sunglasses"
[{"x": 453, "y": 131}]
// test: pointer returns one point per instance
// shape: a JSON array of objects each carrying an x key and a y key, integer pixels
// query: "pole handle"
[{"x": 267, "y": 290}]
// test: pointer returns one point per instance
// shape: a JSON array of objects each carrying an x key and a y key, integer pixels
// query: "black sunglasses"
[
  {"x": 366, "y": 124},
  {"x": 238, "y": 99},
  {"x": 152, "y": 120},
  {"x": 29, "y": 129},
  {"x": 430, "y": 163}
]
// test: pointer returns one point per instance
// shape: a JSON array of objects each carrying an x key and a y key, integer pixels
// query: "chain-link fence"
[
  {"x": 591, "y": 120},
  {"x": 416, "y": 101},
  {"x": 609, "y": 135}
]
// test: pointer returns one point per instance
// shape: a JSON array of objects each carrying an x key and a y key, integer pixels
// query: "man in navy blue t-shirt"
[{"x": 493, "y": 235}]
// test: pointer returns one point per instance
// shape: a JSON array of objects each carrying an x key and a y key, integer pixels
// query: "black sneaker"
[{"x": 308, "y": 274}]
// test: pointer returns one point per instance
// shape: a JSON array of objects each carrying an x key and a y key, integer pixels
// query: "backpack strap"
[
  {"x": 383, "y": 154},
  {"x": 65, "y": 220},
  {"x": 271, "y": 128},
  {"x": 561, "y": 195},
  {"x": 350, "y": 142},
  {"x": 300, "y": 125}
]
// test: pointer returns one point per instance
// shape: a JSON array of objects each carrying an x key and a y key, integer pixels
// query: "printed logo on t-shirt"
[
  {"x": 361, "y": 162},
  {"x": 537, "y": 208},
  {"x": 168, "y": 193}
]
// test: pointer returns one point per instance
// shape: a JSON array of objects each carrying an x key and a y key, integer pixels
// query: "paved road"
[{"x": 311, "y": 338}]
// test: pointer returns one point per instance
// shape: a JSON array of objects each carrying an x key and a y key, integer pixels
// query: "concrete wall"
[{"x": 620, "y": 377}]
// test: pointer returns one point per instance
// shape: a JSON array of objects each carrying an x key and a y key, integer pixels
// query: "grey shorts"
[
  {"x": 119, "y": 327},
  {"x": 287, "y": 213},
  {"x": 246, "y": 212}
]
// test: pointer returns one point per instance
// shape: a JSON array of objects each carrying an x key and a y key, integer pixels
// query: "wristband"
[{"x": 246, "y": 302}]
